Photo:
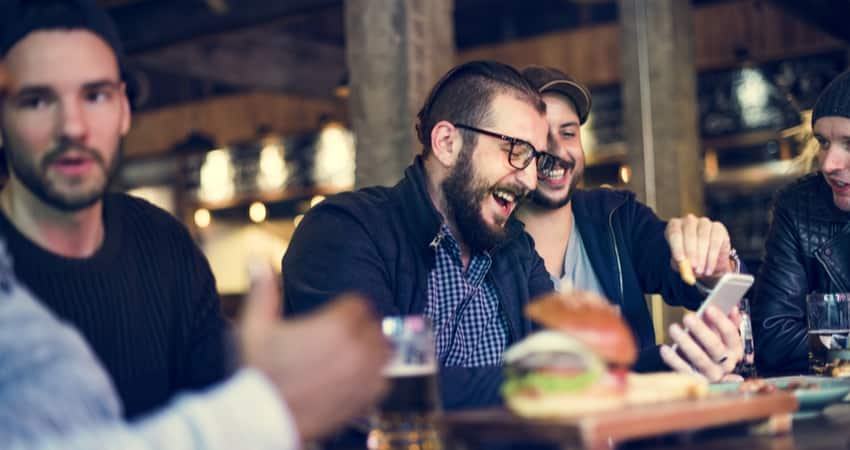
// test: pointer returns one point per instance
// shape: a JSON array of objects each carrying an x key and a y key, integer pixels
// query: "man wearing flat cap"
[
  {"x": 605, "y": 241},
  {"x": 808, "y": 245}
]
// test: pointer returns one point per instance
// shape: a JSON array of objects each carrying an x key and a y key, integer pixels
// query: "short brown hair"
[{"x": 465, "y": 93}]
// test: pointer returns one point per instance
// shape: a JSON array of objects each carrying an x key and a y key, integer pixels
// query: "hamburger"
[{"x": 577, "y": 365}]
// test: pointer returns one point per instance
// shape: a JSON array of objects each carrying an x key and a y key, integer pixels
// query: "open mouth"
[
  {"x": 839, "y": 186},
  {"x": 553, "y": 171},
  {"x": 505, "y": 199},
  {"x": 73, "y": 164}
]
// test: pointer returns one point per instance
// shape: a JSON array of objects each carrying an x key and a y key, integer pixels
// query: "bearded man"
[
  {"x": 126, "y": 274},
  {"x": 442, "y": 242}
]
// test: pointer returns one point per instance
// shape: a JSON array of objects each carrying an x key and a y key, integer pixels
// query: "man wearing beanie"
[
  {"x": 605, "y": 241},
  {"x": 808, "y": 245},
  {"x": 123, "y": 272}
]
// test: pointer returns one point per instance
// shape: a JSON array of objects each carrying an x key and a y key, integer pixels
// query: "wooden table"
[{"x": 829, "y": 430}]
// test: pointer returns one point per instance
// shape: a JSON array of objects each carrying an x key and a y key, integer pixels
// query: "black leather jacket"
[{"x": 807, "y": 250}]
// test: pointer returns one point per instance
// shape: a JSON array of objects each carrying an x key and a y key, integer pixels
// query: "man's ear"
[
  {"x": 125, "y": 111},
  {"x": 446, "y": 143}
]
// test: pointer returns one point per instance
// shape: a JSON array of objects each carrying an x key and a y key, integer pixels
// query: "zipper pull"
[{"x": 435, "y": 243}]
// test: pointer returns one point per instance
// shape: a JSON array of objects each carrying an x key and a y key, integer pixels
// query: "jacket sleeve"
[
  {"x": 778, "y": 309},
  {"x": 651, "y": 255},
  {"x": 331, "y": 253}
]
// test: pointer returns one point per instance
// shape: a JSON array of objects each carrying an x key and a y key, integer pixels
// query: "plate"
[{"x": 821, "y": 392}]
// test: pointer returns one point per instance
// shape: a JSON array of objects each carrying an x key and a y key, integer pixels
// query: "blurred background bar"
[{"x": 250, "y": 112}]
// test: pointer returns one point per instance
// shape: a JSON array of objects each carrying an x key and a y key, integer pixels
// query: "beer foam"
[{"x": 408, "y": 370}]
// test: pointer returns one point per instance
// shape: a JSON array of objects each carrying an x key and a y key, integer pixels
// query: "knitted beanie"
[
  {"x": 18, "y": 18},
  {"x": 834, "y": 100}
]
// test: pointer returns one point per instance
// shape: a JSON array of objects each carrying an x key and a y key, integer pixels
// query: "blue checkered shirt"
[{"x": 469, "y": 325}]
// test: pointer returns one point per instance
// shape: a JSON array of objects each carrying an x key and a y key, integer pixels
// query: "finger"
[
  {"x": 262, "y": 304},
  {"x": 702, "y": 244},
  {"x": 707, "y": 339},
  {"x": 717, "y": 257},
  {"x": 732, "y": 378},
  {"x": 694, "y": 354},
  {"x": 689, "y": 238},
  {"x": 729, "y": 334},
  {"x": 673, "y": 234},
  {"x": 736, "y": 317},
  {"x": 675, "y": 362}
]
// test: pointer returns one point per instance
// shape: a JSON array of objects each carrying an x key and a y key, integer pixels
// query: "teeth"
[
  {"x": 840, "y": 184},
  {"x": 506, "y": 196},
  {"x": 554, "y": 174}
]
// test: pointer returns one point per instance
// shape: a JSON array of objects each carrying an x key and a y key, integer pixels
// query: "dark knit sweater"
[{"x": 145, "y": 302}]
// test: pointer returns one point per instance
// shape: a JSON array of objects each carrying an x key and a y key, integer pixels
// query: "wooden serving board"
[{"x": 604, "y": 430}]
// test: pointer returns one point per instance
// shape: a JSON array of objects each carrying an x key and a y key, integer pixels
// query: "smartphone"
[{"x": 727, "y": 293}]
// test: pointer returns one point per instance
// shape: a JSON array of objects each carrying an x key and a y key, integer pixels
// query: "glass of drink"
[
  {"x": 404, "y": 419},
  {"x": 829, "y": 324},
  {"x": 747, "y": 367}
]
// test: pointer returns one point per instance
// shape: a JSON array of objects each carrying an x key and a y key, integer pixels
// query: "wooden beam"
[
  {"x": 228, "y": 119},
  {"x": 264, "y": 57}
]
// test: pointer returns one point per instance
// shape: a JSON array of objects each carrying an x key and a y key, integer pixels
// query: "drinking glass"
[
  {"x": 404, "y": 419},
  {"x": 828, "y": 326}
]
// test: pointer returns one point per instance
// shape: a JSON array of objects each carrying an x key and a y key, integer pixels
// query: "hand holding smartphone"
[{"x": 727, "y": 293}]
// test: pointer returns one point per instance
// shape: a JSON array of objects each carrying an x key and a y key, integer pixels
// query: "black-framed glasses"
[
  {"x": 548, "y": 161},
  {"x": 520, "y": 152}
]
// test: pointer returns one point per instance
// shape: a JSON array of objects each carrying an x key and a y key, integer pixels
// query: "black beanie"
[
  {"x": 18, "y": 18},
  {"x": 834, "y": 100}
]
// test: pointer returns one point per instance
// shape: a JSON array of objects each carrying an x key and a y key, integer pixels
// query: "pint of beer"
[
  {"x": 404, "y": 419},
  {"x": 829, "y": 326}
]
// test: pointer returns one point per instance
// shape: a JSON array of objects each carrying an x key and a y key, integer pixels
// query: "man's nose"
[{"x": 73, "y": 121}]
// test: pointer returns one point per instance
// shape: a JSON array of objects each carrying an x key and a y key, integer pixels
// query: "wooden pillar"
[
  {"x": 660, "y": 113},
  {"x": 396, "y": 50}
]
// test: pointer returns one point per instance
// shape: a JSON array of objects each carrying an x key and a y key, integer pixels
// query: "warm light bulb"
[
  {"x": 625, "y": 173},
  {"x": 257, "y": 212},
  {"x": 203, "y": 218}
]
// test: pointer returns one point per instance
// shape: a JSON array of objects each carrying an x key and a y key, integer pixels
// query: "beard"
[
  {"x": 33, "y": 175},
  {"x": 464, "y": 194}
]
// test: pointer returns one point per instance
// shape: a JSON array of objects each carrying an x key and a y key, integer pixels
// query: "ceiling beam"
[
  {"x": 264, "y": 57},
  {"x": 152, "y": 24}
]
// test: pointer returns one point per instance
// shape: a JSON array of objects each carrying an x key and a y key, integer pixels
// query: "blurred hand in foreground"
[{"x": 326, "y": 366}]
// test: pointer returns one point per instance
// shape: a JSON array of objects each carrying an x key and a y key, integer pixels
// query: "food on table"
[{"x": 580, "y": 363}]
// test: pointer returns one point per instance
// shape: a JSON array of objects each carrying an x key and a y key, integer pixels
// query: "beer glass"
[
  {"x": 829, "y": 324},
  {"x": 404, "y": 419},
  {"x": 747, "y": 367}
]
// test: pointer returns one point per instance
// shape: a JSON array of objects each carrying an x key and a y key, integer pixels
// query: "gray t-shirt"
[{"x": 577, "y": 269}]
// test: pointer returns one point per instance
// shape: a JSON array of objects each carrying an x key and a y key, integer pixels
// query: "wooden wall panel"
[
  {"x": 592, "y": 54},
  {"x": 227, "y": 119}
]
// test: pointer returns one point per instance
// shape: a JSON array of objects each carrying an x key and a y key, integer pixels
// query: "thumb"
[{"x": 262, "y": 304}]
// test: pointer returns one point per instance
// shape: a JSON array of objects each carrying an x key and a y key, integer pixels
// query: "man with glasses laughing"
[
  {"x": 442, "y": 242},
  {"x": 607, "y": 242}
]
